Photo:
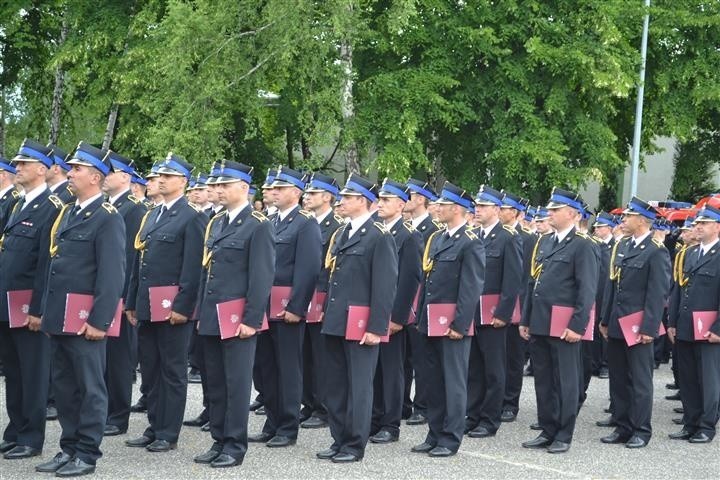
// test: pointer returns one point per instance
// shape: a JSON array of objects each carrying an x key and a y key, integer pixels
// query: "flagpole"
[{"x": 639, "y": 105}]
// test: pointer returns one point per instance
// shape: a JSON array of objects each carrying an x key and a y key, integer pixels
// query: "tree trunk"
[
  {"x": 110, "y": 129},
  {"x": 289, "y": 147},
  {"x": 347, "y": 105},
  {"x": 436, "y": 177},
  {"x": 2, "y": 121},
  {"x": 305, "y": 148},
  {"x": 56, "y": 110}
]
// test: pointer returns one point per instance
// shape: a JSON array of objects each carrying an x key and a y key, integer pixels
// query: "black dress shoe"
[
  {"x": 53, "y": 465},
  {"x": 674, "y": 396},
  {"x": 614, "y": 437},
  {"x": 260, "y": 410},
  {"x": 314, "y": 422},
  {"x": 161, "y": 446},
  {"x": 254, "y": 405},
  {"x": 480, "y": 432},
  {"x": 528, "y": 372},
  {"x": 603, "y": 373},
  {"x": 194, "y": 378},
  {"x": 541, "y": 441},
  {"x": 441, "y": 452},
  {"x": 383, "y": 436},
  {"x": 5, "y": 446},
  {"x": 558, "y": 447},
  {"x": 677, "y": 421},
  {"x": 140, "y": 442},
  {"x": 205, "y": 427},
  {"x": 326, "y": 454},
  {"x": 112, "y": 430},
  {"x": 261, "y": 437},
  {"x": 75, "y": 468},
  {"x": 225, "y": 461},
  {"x": 416, "y": 419},
  {"x": 700, "y": 437},
  {"x": 678, "y": 410},
  {"x": 21, "y": 451},
  {"x": 672, "y": 386},
  {"x": 345, "y": 458},
  {"x": 207, "y": 457},
  {"x": 198, "y": 421},
  {"x": 51, "y": 413},
  {"x": 279, "y": 441},
  {"x": 608, "y": 422},
  {"x": 535, "y": 426},
  {"x": 635, "y": 442},
  {"x": 683, "y": 434},
  {"x": 508, "y": 416},
  {"x": 607, "y": 410},
  {"x": 422, "y": 448},
  {"x": 138, "y": 408}
]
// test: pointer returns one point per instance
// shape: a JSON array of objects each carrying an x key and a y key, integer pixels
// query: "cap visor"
[
  {"x": 555, "y": 205},
  {"x": 168, "y": 171}
]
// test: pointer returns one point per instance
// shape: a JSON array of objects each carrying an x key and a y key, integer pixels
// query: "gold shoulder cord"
[
  {"x": 535, "y": 269},
  {"x": 139, "y": 245},
  {"x": 680, "y": 266},
  {"x": 207, "y": 253},
  {"x": 54, "y": 229},
  {"x": 614, "y": 271},
  {"x": 329, "y": 259},
  {"x": 427, "y": 264}
]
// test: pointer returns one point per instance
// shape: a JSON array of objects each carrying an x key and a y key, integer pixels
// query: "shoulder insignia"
[
  {"x": 56, "y": 201},
  {"x": 409, "y": 226},
  {"x": 582, "y": 235},
  {"x": 305, "y": 213},
  {"x": 15, "y": 194},
  {"x": 107, "y": 206},
  {"x": 658, "y": 243},
  {"x": 380, "y": 227},
  {"x": 510, "y": 229},
  {"x": 526, "y": 230},
  {"x": 258, "y": 216},
  {"x": 338, "y": 219},
  {"x": 195, "y": 207},
  {"x": 439, "y": 225},
  {"x": 470, "y": 234},
  {"x": 134, "y": 199}
]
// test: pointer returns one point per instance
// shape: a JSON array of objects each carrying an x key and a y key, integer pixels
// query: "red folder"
[
  {"x": 412, "y": 317},
  {"x": 161, "y": 300},
  {"x": 279, "y": 299},
  {"x": 560, "y": 319},
  {"x": 440, "y": 316},
  {"x": 517, "y": 313},
  {"x": 702, "y": 321},
  {"x": 77, "y": 311},
  {"x": 315, "y": 309},
  {"x": 230, "y": 314},
  {"x": 18, "y": 307},
  {"x": 488, "y": 304},
  {"x": 630, "y": 326},
  {"x": 114, "y": 328},
  {"x": 357, "y": 320}
]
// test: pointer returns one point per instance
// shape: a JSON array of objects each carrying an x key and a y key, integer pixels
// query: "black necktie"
[
  {"x": 345, "y": 235},
  {"x": 162, "y": 211},
  {"x": 556, "y": 241},
  {"x": 701, "y": 252},
  {"x": 76, "y": 209},
  {"x": 276, "y": 220},
  {"x": 482, "y": 234},
  {"x": 226, "y": 222}
]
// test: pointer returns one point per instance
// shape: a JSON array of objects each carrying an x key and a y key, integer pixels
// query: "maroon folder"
[
  {"x": 279, "y": 300},
  {"x": 488, "y": 304},
  {"x": 230, "y": 314},
  {"x": 560, "y": 319},
  {"x": 315, "y": 309},
  {"x": 77, "y": 311},
  {"x": 357, "y": 321},
  {"x": 18, "y": 307},
  {"x": 440, "y": 316},
  {"x": 702, "y": 321},
  {"x": 630, "y": 326},
  {"x": 517, "y": 313},
  {"x": 161, "y": 300},
  {"x": 114, "y": 328}
]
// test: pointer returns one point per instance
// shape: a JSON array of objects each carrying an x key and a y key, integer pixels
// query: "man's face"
[
  {"x": 352, "y": 205},
  {"x": 27, "y": 173},
  {"x": 390, "y": 207},
  {"x": 562, "y": 218},
  {"x": 485, "y": 214},
  {"x": 286, "y": 197},
  {"x": 707, "y": 232},
  {"x": 268, "y": 196},
  {"x": 632, "y": 224},
  {"x": 416, "y": 200},
  {"x": 114, "y": 182},
  {"x": 191, "y": 196},
  {"x": 316, "y": 200},
  {"x": 82, "y": 178},
  {"x": 232, "y": 194},
  {"x": 543, "y": 226},
  {"x": 603, "y": 231},
  {"x": 171, "y": 185},
  {"x": 201, "y": 196},
  {"x": 508, "y": 216},
  {"x": 152, "y": 189},
  {"x": 446, "y": 212}
]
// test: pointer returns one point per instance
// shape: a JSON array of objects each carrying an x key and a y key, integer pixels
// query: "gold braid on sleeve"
[
  {"x": 427, "y": 263},
  {"x": 613, "y": 270},
  {"x": 54, "y": 229},
  {"x": 207, "y": 253},
  {"x": 680, "y": 266},
  {"x": 329, "y": 258},
  {"x": 535, "y": 269}
]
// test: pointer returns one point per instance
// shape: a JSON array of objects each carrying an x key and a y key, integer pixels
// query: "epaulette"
[
  {"x": 658, "y": 243},
  {"x": 15, "y": 194},
  {"x": 134, "y": 199},
  {"x": 470, "y": 234},
  {"x": 195, "y": 207},
  {"x": 306, "y": 214},
  {"x": 510, "y": 229},
  {"x": 339, "y": 219},
  {"x": 526, "y": 230},
  {"x": 380, "y": 227},
  {"x": 150, "y": 205},
  {"x": 258, "y": 216},
  {"x": 583, "y": 235},
  {"x": 56, "y": 201},
  {"x": 439, "y": 225},
  {"x": 108, "y": 206},
  {"x": 409, "y": 226}
]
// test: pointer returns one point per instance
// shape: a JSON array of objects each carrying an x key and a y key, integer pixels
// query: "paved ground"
[{"x": 498, "y": 457}]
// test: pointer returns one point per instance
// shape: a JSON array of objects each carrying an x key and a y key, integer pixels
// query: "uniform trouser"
[
  {"x": 699, "y": 366},
  {"x": 447, "y": 365},
  {"x": 486, "y": 378},
  {"x": 25, "y": 358},
  {"x": 586, "y": 369},
  {"x": 516, "y": 351},
  {"x": 282, "y": 380},
  {"x": 313, "y": 370},
  {"x": 194, "y": 350},
  {"x": 228, "y": 366},
  {"x": 557, "y": 385},
  {"x": 416, "y": 369},
  {"x": 197, "y": 360},
  {"x": 389, "y": 386},
  {"x": 163, "y": 359},
  {"x": 599, "y": 350},
  {"x": 80, "y": 394},
  {"x": 350, "y": 371},
  {"x": 631, "y": 378},
  {"x": 119, "y": 374}
]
